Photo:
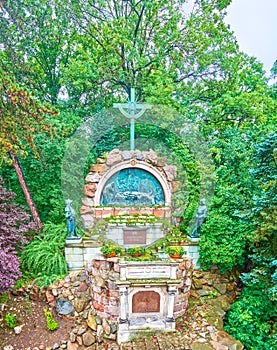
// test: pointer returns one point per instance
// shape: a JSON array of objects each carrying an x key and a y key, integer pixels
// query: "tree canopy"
[{"x": 63, "y": 61}]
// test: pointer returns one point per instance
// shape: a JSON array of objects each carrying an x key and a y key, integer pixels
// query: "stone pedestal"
[
  {"x": 77, "y": 254},
  {"x": 147, "y": 293},
  {"x": 193, "y": 251}
]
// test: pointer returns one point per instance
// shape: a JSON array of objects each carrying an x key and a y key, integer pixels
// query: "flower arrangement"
[
  {"x": 175, "y": 251},
  {"x": 110, "y": 249},
  {"x": 135, "y": 251},
  {"x": 131, "y": 219}
]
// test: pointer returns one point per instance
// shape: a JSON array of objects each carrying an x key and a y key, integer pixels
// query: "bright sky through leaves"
[{"x": 254, "y": 23}]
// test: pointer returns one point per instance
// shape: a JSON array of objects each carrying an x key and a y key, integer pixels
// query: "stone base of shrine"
[
  {"x": 140, "y": 297},
  {"x": 151, "y": 296},
  {"x": 142, "y": 327},
  {"x": 77, "y": 254}
]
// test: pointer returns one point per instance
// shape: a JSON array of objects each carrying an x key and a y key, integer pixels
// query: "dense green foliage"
[
  {"x": 80, "y": 71},
  {"x": 256, "y": 311},
  {"x": 228, "y": 228},
  {"x": 252, "y": 319},
  {"x": 44, "y": 257},
  {"x": 43, "y": 174},
  {"x": 94, "y": 53}
]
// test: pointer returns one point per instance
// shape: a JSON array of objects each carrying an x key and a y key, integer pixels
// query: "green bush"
[
  {"x": 52, "y": 325},
  {"x": 223, "y": 242},
  {"x": 4, "y": 298},
  {"x": 249, "y": 320},
  {"x": 44, "y": 256},
  {"x": 10, "y": 320},
  {"x": 226, "y": 234}
]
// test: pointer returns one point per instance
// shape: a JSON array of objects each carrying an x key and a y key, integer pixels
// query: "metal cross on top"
[{"x": 132, "y": 111}]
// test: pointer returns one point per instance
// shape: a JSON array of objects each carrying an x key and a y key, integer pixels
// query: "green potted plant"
[
  {"x": 135, "y": 251},
  {"x": 175, "y": 252},
  {"x": 161, "y": 244},
  {"x": 111, "y": 250}
]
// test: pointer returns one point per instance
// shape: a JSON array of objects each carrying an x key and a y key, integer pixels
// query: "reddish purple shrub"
[{"x": 14, "y": 226}]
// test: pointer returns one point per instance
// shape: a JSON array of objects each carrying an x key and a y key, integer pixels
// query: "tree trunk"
[{"x": 26, "y": 190}]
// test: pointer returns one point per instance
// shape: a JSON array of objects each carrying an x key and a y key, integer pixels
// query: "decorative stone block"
[
  {"x": 178, "y": 307},
  {"x": 161, "y": 161},
  {"x": 105, "y": 265},
  {"x": 176, "y": 186},
  {"x": 87, "y": 220},
  {"x": 159, "y": 212},
  {"x": 138, "y": 155},
  {"x": 99, "y": 282},
  {"x": 94, "y": 271},
  {"x": 97, "y": 262},
  {"x": 88, "y": 202},
  {"x": 96, "y": 289},
  {"x": 90, "y": 189},
  {"x": 104, "y": 300},
  {"x": 86, "y": 210},
  {"x": 106, "y": 327},
  {"x": 112, "y": 310},
  {"x": 126, "y": 155},
  {"x": 101, "y": 160},
  {"x": 107, "y": 212},
  {"x": 88, "y": 338},
  {"x": 113, "y": 301},
  {"x": 170, "y": 171},
  {"x": 116, "y": 267},
  {"x": 93, "y": 177},
  {"x": 98, "y": 306},
  {"x": 151, "y": 157},
  {"x": 114, "y": 157},
  {"x": 113, "y": 293},
  {"x": 111, "y": 285},
  {"x": 99, "y": 168},
  {"x": 97, "y": 297}
]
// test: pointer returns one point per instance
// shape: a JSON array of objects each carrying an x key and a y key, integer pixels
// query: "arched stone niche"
[
  {"x": 133, "y": 165},
  {"x": 116, "y": 162}
]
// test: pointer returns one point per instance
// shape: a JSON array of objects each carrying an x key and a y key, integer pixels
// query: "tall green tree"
[
  {"x": 22, "y": 117},
  {"x": 96, "y": 51},
  {"x": 150, "y": 45},
  {"x": 253, "y": 318},
  {"x": 38, "y": 39},
  {"x": 228, "y": 229}
]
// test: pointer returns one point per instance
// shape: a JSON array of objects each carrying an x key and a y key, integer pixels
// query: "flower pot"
[
  {"x": 175, "y": 256},
  {"x": 159, "y": 212},
  {"x": 111, "y": 255}
]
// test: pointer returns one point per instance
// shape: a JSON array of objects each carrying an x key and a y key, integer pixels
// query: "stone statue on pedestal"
[
  {"x": 70, "y": 220},
  {"x": 200, "y": 219}
]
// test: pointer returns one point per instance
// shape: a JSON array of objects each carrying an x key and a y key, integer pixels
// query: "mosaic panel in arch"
[{"x": 131, "y": 187}]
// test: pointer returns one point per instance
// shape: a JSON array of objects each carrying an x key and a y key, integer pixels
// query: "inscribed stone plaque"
[
  {"x": 142, "y": 272},
  {"x": 144, "y": 302},
  {"x": 134, "y": 237}
]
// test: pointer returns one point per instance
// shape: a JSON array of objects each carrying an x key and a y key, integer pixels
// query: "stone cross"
[{"x": 132, "y": 111}]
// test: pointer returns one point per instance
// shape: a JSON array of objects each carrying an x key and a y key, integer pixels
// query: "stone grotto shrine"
[{"x": 128, "y": 204}]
